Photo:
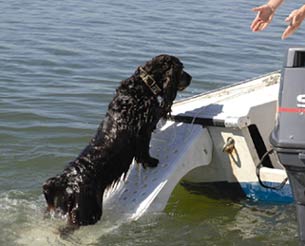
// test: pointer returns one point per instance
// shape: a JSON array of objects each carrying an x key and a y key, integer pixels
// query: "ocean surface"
[{"x": 60, "y": 63}]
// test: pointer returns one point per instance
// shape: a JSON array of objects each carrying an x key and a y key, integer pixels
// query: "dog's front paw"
[{"x": 150, "y": 162}]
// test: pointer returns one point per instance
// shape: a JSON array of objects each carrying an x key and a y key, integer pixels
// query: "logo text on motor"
[{"x": 301, "y": 101}]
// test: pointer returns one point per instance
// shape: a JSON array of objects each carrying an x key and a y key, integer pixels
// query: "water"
[{"x": 60, "y": 64}]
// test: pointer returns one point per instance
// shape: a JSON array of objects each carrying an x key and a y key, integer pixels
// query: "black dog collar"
[{"x": 150, "y": 82}]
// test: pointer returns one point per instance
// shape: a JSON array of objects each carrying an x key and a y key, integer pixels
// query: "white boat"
[{"x": 213, "y": 141}]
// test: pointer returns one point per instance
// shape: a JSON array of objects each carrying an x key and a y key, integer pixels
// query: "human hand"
[
  {"x": 263, "y": 17},
  {"x": 295, "y": 20}
]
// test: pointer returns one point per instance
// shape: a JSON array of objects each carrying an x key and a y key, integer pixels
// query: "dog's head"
[
  {"x": 167, "y": 71},
  {"x": 81, "y": 204}
]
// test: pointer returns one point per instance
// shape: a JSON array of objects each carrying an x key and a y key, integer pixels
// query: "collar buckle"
[{"x": 150, "y": 82}]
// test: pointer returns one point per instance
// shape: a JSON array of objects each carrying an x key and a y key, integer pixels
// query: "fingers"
[
  {"x": 288, "y": 19},
  {"x": 291, "y": 17},
  {"x": 289, "y": 30},
  {"x": 294, "y": 24},
  {"x": 265, "y": 14},
  {"x": 258, "y": 24},
  {"x": 256, "y": 9},
  {"x": 255, "y": 24},
  {"x": 264, "y": 26},
  {"x": 262, "y": 19}
]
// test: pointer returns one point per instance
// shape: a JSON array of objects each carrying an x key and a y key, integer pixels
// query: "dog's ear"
[
  {"x": 87, "y": 209},
  {"x": 169, "y": 89},
  {"x": 170, "y": 78}
]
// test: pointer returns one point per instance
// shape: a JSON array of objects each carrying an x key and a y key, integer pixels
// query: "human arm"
[{"x": 264, "y": 15}]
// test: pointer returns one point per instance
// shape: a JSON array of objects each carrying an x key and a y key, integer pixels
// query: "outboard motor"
[{"x": 288, "y": 136}]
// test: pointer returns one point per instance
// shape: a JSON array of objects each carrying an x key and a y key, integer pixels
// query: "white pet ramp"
[{"x": 180, "y": 148}]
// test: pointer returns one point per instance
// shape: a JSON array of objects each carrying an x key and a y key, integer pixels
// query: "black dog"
[{"x": 124, "y": 134}]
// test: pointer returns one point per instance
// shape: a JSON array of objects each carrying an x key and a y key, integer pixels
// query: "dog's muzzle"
[{"x": 184, "y": 81}]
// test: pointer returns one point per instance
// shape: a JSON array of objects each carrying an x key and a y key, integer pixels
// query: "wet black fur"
[{"x": 123, "y": 135}]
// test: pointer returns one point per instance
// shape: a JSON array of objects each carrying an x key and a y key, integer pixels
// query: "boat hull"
[{"x": 248, "y": 112}]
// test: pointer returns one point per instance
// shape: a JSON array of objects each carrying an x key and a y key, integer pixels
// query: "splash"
[{"x": 23, "y": 222}]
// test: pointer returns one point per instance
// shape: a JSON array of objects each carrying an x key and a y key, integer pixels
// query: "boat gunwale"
[{"x": 238, "y": 86}]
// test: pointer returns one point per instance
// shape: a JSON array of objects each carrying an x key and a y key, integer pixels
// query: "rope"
[{"x": 259, "y": 166}]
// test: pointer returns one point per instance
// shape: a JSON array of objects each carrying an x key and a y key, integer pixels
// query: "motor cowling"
[{"x": 288, "y": 135}]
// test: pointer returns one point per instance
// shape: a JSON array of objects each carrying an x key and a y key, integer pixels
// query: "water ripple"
[{"x": 62, "y": 60}]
